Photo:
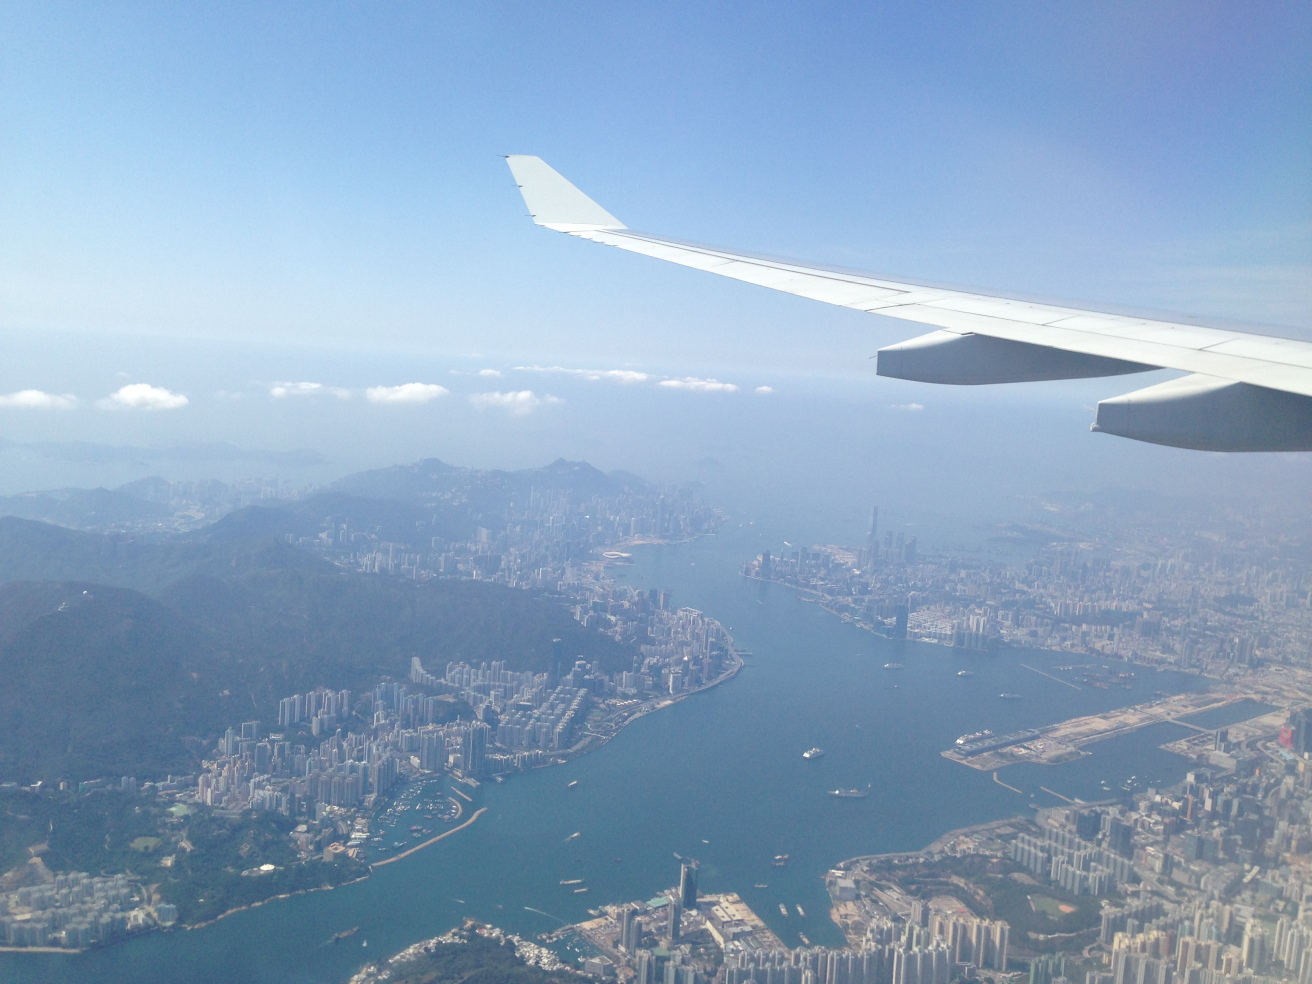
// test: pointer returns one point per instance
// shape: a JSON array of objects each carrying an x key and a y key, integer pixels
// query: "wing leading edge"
[{"x": 1245, "y": 392}]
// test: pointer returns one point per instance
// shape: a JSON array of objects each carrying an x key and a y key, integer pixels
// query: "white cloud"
[
  {"x": 143, "y": 396},
  {"x": 38, "y": 400},
  {"x": 517, "y": 403},
  {"x": 906, "y": 406},
  {"x": 489, "y": 372},
  {"x": 614, "y": 375},
  {"x": 699, "y": 385},
  {"x": 405, "y": 393},
  {"x": 280, "y": 391},
  {"x": 765, "y": 390}
]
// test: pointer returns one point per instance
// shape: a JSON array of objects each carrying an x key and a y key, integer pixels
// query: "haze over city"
[{"x": 576, "y": 616}]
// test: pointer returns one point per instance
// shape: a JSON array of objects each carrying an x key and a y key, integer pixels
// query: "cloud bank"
[
  {"x": 614, "y": 375},
  {"x": 698, "y": 385},
  {"x": 765, "y": 390},
  {"x": 38, "y": 400},
  {"x": 280, "y": 391},
  {"x": 906, "y": 406},
  {"x": 405, "y": 393},
  {"x": 516, "y": 403},
  {"x": 143, "y": 396}
]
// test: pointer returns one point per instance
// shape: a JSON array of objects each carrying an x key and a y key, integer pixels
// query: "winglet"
[{"x": 554, "y": 202}]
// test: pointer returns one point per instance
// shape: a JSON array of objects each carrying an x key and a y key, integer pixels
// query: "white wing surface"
[{"x": 1246, "y": 392}]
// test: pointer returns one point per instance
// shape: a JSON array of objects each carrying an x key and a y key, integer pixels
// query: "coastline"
[
  {"x": 249, "y": 905},
  {"x": 822, "y": 599},
  {"x": 589, "y": 744},
  {"x": 937, "y": 844},
  {"x": 595, "y": 741}
]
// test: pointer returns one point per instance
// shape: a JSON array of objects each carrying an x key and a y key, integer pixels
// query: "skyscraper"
[
  {"x": 872, "y": 538},
  {"x": 629, "y": 929},
  {"x": 676, "y": 920},
  {"x": 646, "y": 968},
  {"x": 688, "y": 886},
  {"x": 475, "y": 748}
]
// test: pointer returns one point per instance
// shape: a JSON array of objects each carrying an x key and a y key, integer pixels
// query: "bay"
[{"x": 718, "y": 777}]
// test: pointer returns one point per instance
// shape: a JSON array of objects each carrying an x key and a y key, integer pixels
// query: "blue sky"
[{"x": 317, "y": 186}]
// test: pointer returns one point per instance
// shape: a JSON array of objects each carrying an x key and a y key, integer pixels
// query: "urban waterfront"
[{"x": 718, "y": 777}]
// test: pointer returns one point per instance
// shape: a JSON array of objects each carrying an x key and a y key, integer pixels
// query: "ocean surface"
[{"x": 718, "y": 777}]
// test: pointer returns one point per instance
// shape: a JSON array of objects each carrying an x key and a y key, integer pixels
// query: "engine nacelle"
[
  {"x": 973, "y": 360},
  {"x": 1209, "y": 414}
]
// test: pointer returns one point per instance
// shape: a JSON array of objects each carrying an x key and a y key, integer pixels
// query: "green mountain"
[
  {"x": 116, "y": 651},
  {"x": 103, "y": 681},
  {"x": 83, "y": 508},
  {"x": 468, "y": 958}
]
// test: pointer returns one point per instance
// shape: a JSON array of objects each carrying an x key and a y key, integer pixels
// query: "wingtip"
[{"x": 553, "y": 201}]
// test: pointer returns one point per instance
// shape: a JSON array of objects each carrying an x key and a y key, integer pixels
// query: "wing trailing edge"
[{"x": 1244, "y": 392}]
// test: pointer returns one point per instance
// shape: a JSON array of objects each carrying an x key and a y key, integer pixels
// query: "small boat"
[
  {"x": 892, "y": 666},
  {"x": 572, "y": 784},
  {"x": 783, "y": 910},
  {"x": 761, "y": 885},
  {"x": 965, "y": 672},
  {"x": 813, "y": 753},
  {"x": 572, "y": 881},
  {"x": 705, "y": 841},
  {"x": 1010, "y": 696},
  {"x": 850, "y": 793},
  {"x": 800, "y": 912},
  {"x": 779, "y": 860},
  {"x": 579, "y": 891},
  {"x": 805, "y": 941}
]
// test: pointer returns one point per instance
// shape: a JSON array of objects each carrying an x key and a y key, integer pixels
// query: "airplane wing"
[{"x": 1244, "y": 391}]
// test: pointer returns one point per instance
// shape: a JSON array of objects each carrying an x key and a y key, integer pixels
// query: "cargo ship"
[
  {"x": 975, "y": 736},
  {"x": 783, "y": 910},
  {"x": 813, "y": 753},
  {"x": 779, "y": 860}
]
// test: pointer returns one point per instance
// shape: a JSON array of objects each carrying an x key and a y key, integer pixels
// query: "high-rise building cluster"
[
  {"x": 337, "y": 751},
  {"x": 949, "y": 947},
  {"x": 1070, "y": 861},
  {"x": 1206, "y": 882},
  {"x": 1162, "y": 594},
  {"x": 75, "y": 910},
  {"x": 538, "y": 539}
]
